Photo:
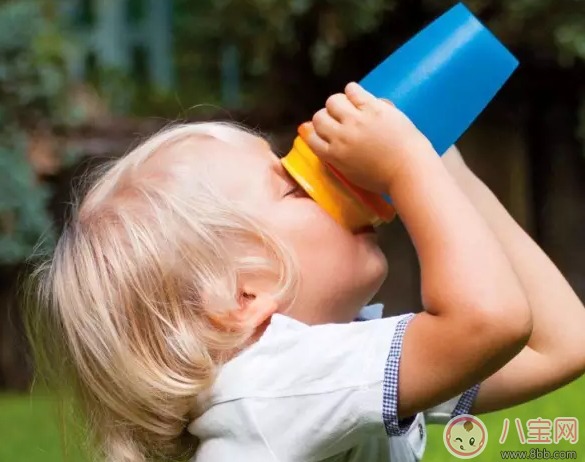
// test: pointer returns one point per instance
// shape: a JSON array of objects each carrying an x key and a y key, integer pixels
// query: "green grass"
[
  {"x": 30, "y": 429},
  {"x": 567, "y": 402}
]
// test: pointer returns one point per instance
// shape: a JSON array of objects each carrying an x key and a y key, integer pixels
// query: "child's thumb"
[{"x": 358, "y": 95}]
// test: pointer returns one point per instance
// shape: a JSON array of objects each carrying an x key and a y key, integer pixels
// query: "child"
[{"x": 200, "y": 304}]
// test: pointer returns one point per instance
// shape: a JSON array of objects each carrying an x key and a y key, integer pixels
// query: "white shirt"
[{"x": 316, "y": 393}]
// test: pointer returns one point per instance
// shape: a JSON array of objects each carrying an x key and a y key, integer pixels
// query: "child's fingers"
[
  {"x": 325, "y": 125},
  {"x": 387, "y": 101},
  {"x": 317, "y": 144},
  {"x": 358, "y": 96},
  {"x": 339, "y": 107}
]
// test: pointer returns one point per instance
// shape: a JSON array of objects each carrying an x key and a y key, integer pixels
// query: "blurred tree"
[
  {"x": 300, "y": 50},
  {"x": 123, "y": 47},
  {"x": 32, "y": 86}
]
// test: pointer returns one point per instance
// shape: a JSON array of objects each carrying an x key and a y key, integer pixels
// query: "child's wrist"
[{"x": 415, "y": 173}]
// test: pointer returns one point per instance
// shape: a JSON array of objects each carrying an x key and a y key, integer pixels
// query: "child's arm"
[
  {"x": 477, "y": 317},
  {"x": 555, "y": 353}
]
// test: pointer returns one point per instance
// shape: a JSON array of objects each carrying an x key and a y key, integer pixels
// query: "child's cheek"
[{"x": 304, "y": 214}]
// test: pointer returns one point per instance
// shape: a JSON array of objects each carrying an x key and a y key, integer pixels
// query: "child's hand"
[{"x": 369, "y": 140}]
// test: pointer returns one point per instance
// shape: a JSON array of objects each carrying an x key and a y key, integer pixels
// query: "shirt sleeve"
[
  {"x": 459, "y": 405},
  {"x": 394, "y": 426},
  {"x": 329, "y": 386}
]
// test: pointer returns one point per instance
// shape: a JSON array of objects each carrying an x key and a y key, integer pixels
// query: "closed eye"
[
  {"x": 293, "y": 188},
  {"x": 459, "y": 439},
  {"x": 295, "y": 191},
  {"x": 291, "y": 191}
]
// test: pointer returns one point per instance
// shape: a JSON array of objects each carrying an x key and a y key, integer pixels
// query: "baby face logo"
[{"x": 465, "y": 436}]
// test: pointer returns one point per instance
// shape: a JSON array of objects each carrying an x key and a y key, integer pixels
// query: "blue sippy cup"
[
  {"x": 441, "y": 79},
  {"x": 444, "y": 76}
]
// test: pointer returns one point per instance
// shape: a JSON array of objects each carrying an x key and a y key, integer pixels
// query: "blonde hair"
[{"x": 126, "y": 307}]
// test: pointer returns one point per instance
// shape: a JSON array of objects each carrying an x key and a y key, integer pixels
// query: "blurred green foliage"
[
  {"x": 32, "y": 86},
  {"x": 265, "y": 30},
  {"x": 261, "y": 28}
]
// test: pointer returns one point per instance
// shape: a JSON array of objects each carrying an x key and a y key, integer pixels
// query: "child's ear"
[{"x": 255, "y": 307}]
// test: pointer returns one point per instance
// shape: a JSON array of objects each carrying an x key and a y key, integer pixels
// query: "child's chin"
[{"x": 378, "y": 269}]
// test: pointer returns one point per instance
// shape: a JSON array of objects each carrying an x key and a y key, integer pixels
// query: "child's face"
[{"x": 340, "y": 271}]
